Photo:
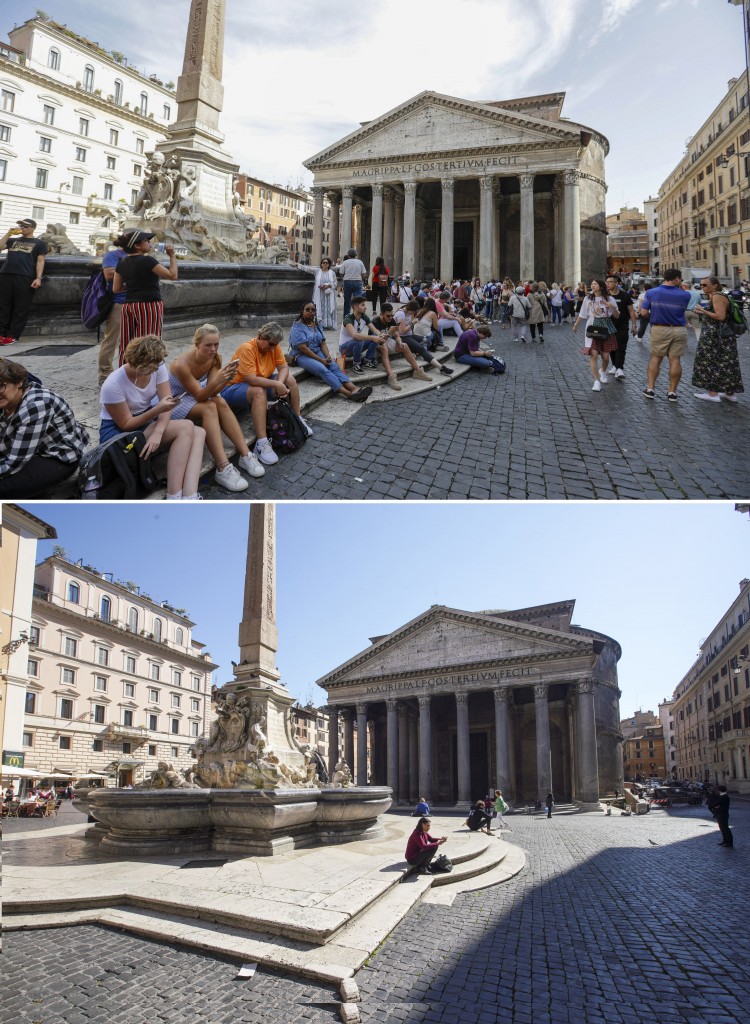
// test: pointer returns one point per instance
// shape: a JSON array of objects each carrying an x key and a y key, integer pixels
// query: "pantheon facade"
[
  {"x": 456, "y": 703},
  {"x": 444, "y": 187}
]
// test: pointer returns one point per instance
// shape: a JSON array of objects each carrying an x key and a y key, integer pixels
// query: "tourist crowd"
[{"x": 193, "y": 401}]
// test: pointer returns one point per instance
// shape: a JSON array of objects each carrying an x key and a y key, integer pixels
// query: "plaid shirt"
[{"x": 43, "y": 424}]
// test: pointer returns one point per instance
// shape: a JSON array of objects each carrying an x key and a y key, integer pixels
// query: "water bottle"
[{"x": 90, "y": 489}]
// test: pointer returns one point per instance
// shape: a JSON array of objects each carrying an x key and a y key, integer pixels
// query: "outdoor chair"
[{"x": 13, "y": 808}]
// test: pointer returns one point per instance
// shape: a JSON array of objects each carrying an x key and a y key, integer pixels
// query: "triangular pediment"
[
  {"x": 443, "y": 637},
  {"x": 434, "y": 123}
]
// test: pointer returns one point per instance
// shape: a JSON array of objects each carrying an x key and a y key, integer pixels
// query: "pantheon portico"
[
  {"x": 447, "y": 187},
  {"x": 455, "y": 704}
]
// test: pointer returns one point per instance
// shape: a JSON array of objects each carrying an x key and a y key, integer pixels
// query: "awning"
[
  {"x": 91, "y": 775},
  {"x": 22, "y": 773}
]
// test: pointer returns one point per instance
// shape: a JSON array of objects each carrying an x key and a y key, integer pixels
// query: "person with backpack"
[
  {"x": 519, "y": 308},
  {"x": 137, "y": 396},
  {"x": 717, "y": 365},
  {"x": 138, "y": 276},
  {"x": 111, "y": 341},
  {"x": 41, "y": 442}
]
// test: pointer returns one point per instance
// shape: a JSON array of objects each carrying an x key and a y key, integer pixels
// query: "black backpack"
[
  {"x": 97, "y": 301},
  {"x": 284, "y": 428},
  {"x": 115, "y": 470}
]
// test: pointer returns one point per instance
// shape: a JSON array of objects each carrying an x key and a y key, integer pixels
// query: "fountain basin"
[{"x": 245, "y": 822}]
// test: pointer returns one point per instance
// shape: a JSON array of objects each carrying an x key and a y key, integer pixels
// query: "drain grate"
[
  {"x": 58, "y": 350},
  {"x": 204, "y": 863}
]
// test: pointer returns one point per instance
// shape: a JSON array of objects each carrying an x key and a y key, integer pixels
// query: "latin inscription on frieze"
[
  {"x": 390, "y": 170},
  {"x": 445, "y": 682}
]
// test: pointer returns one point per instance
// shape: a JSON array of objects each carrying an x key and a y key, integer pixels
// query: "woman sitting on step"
[
  {"x": 197, "y": 378},
  {"x": 307, "y": 344},
  {"x": 422, "y": 847}
]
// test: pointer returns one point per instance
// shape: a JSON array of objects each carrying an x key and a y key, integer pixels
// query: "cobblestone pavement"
[
  {"x": 614, "y": 921},
  {"x": 538, "y": 432}
]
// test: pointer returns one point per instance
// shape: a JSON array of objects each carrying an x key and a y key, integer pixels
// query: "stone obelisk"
[{"x": 258, "y": 636}]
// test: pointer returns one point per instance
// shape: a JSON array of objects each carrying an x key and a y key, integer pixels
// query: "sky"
[
  {"x": 655, "y": 576},
  {"x": 300, "y": 75}
]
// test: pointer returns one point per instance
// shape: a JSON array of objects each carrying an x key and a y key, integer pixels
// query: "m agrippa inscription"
[
  {"x": 448, "y": 682},
  {"x": 390, "y": 170}
]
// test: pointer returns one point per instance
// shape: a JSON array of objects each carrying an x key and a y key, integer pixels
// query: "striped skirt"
[{"x": 137, "y": 320}]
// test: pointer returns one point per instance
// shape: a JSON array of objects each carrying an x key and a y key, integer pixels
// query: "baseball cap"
[
  {"x": 132, "y": 238},
  {"x": 27, "y": 223}
]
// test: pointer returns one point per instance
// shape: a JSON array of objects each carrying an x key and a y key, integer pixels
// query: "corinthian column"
[
  {"x": 543, "y": 749},
  {"x": 376, "y": 228},
  {"x": 425, "y": 749},
  {"x": 588, "y": 770},
  {"x": 398, "y": 235},
  {"x": 413, "y": 757},
  {"x": 410, "y": 227},
  {"x": 526, "y": 181},
  {"x": 348, "y": 718},
  {"x": 362, "y": 744},
  {"x": 486, "y": 220},
  {"x": 346, "y": 219},
  {"x": 446, "y": 231},
  {"x": 333, "y": 248},
  {"x": 403, "y": 753},
  {"x": 317, "y": 238},
  {"x": 392, "y": 746},
  {"x": 572, "y": 213},
  {"x": 389, "y": 226},
  {"x": 502, "y": 751},
  {"x": 462, "y": 747},
  {"x": 333, "y": 739}
]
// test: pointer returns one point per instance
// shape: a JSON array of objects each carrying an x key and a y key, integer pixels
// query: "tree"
[{"x": 59, "y": 552}]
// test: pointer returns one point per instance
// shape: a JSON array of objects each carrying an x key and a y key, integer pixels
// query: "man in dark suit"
[{"x": 720, "y": 810}]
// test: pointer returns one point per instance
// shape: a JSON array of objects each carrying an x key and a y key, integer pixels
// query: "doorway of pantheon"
[{"x": 463, "y": 249}]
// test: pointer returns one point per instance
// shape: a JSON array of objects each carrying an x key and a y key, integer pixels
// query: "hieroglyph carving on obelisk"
[
  {"x": 258, "y": 636},
  {"x": 200, "y": 94}
]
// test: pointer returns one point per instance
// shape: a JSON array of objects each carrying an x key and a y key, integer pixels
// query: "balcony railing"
[{"x": 137, "y": 734}]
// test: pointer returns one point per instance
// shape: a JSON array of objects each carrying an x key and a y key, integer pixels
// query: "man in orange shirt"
[{"x": 262, "y": 375}]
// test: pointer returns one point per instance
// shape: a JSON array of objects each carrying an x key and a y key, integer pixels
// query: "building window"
[
  {"x": 157, "y": 629},
  {"x": 195, "y": 705},
  {"x": 111, "y": 163},
  {"x": 28, "y": 739},
  {"x": 139, "y": 145},
  {"x": 153, "y": 723},
  {"x": 155, "y": 674},
  {"x": 74, "y": 593},
  {"x": 179, "y": 636},
  {"x": 37, "y": 212},
  {"x": 97, "y": 746},
  {"x": 152, "y": 750},
  {"x": 175, "y": 751},
  {"x": 176, "y": 677},
  {"x": 127, "y": 718},
  {"x": 65, "y": 743},
  {"x": 102, "y": 656},
  {"x": 30, "y": 707},
  {"x": 3, "y": 169},
  {"x": 129, "y": 689},
  {"x": 88, "y": 78},
  {"x": 130, "y": 663},
  {"x": 175, "y": 700},
  {"x": 195, "y": 728},
  {"x": 83, "y": 126},
  {"x": 45, "y": 144},
  {"x": 100, "y": 684},
  {"x": 5, "y": 133},
  {"x": 118, "y": 92},
  {"x": 127, "y": 748},
  {"x": 143, "y": 108},
  {"x": 42, "y": 177},
  {"x": 32, "y": 668},
  {"x": 77, "y": 189},
  {"x": 69, "y": 676},
  {"x": 99, "y": 714},
  {"x": 175, "y": 727},
  {"x": 137, "y": 170},
  {"x": 81, "y": 154},
  {"x": 114, "y": 137},
  {"x": 66, "y": 708},
  {"x": 133, "y": 196},
  {"x": 167, "y": 112},
  {"x": 105, "y": 609},
  {"x": 196, "y": 684},
  {"x": 8, "y": 102},
  {"x": 70, "y": 647},
  {"x": 133, "y": 620},
  {"x": 108, "y": 190},
  {"x": 153, "y": 695}
]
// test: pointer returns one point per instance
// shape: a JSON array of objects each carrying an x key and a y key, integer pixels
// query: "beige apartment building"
[
  {"x": 627, "y": 242},
  {"x": 689, "y": 714},
  {"x": 115, "y": 682},
  {"x": 284, "y": 212},
  {"x": 704, "y": 205},
  {"x": 636, "y": 723},
  {"x": 643, "y": 754}
]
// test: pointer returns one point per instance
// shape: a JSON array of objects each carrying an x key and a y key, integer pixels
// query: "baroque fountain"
[{"x": 254, "y": 788}]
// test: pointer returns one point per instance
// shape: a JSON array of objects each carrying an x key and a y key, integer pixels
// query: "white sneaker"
[
  {"x": 603, "y": 377},
  {"x": 597, "y": 385},
  {"x": 307, "y": 426},
  {"x": 704, "y": 396},
  {"x": 230, "y": 479},
  {"x": 250, "y": 465},
  {"x": 619, "y": 374},
  {"x": 264, "y": 452},
  {"x": 727, "y": 398},
  {"x": 611, "y": 368}
]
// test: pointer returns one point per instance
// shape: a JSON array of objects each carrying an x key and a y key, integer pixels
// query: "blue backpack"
[{"x": 97, "y": 301}]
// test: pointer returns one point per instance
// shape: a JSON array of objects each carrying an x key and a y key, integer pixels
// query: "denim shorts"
[
  {"x": 235, "y": 395},
  {"x": 109, "y": 429}
]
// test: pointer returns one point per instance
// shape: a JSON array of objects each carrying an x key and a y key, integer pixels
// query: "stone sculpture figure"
[
  {"x": 165, "y": 777},
  {"x": 342, "y": 775},
  {"x": 58, "y": 243},
  {"x": 157, "y": 195}
]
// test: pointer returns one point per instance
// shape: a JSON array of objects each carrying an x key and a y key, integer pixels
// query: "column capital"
[
  {"x": 399, "y": 199},
  {"x": 347, "y": 191},
  {"x": 424, "y": 703},
  {"x": 496, "y": 190},
  {"x": 462, "y": 698},
  {"x": 585, "y": 685},
  {"x": 571, "y": 177},
  {"x": 334, "y": 195},
  {"x": 526, "y": 181},
  {"x": 410, "y": 188},
  {"x": 346, "y": 714},
  {"x": 377, "y": 189},
  {"x": 487, "y": 183},
  {"x": 388, "y": 194},
  {"x": 501, "y": 694},
  {"x": 447, "y": 184},
  {"x": 402, "y": 710},
  {"x": 361, "y": 707},
  {"x": 318, "y": 191},
  {"x": 540, "y": 691},
  {"x": 391, "y": 704}
]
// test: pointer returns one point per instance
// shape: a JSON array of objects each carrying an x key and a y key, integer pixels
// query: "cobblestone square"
[{"x": 614, "y": 920}]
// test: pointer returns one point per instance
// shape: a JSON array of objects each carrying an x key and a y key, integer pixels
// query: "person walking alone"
[
  {"x": 501, "y": 808},
  {"x": 549, "y": 803}
]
